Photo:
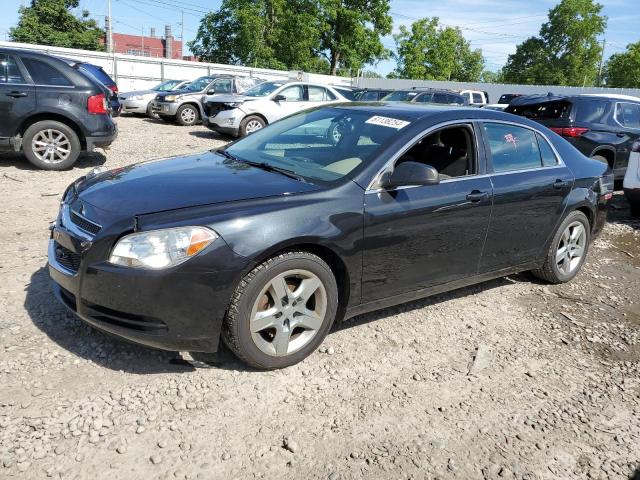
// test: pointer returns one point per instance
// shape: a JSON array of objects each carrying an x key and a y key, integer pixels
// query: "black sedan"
[{"x": 327, "y": 214}]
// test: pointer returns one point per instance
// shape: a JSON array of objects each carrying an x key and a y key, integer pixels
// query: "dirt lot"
[{"x": 508, "y": 379}]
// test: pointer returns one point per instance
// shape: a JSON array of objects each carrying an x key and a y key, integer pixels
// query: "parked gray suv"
[{"x": 185, "y": 106}]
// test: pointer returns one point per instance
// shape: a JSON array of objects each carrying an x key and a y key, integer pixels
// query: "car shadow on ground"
[
  {"x": 73, "y": 335},
  {"x": 619, "y": 212},
  {"x": 210, "y": 134},
  {"x": 19, "y": 161}
]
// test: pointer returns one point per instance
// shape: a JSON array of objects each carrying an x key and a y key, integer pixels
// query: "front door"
[
  {"x": 293, "y": 101},
  {"x": 418, "y": 237},
  {"x": 17, "y": 97},
  {"x": 530, "y": 184},
  {"x": 627, "y": 117}
]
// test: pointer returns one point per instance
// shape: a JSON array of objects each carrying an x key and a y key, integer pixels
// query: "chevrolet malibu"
[{"x": 319, "y": 217}]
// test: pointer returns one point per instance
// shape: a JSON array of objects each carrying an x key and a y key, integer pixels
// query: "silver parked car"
[
  {"x": 139, "y": 101},
  {"x": 240, "y": 115},
  {"x": 185, "y": 107}
]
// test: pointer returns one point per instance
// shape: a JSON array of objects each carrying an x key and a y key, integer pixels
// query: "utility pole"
[
  {"x": 109, "y": 28},
  {"x": 182, "y": 36},
  {"x": 604, "y": 45}
]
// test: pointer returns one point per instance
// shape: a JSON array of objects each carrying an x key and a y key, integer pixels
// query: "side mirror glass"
[
  {"x": 409, "y": 174},
  {"x": 279, "y": 98}
]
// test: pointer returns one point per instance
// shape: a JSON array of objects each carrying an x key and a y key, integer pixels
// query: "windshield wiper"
[{"x": 264, "y": 166}]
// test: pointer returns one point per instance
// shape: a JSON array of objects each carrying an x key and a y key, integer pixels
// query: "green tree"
[
  {"x": 431, "y": 52},
  {"x": 566, "y": 52},
  {"x": 51, "y": 22},
  {"x": 623, "y": 69}
]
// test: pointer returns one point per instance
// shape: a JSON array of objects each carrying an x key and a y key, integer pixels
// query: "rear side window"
[
  {"x": 592, "y": 111},
  {"x": 348, "y": 94},
  {"x": 455, "y": 99},
  {"x": 544, "y": 111},
  {"x": 369, "y": 97},
  {"x": 628, "y": 114},
  {"x": 44, "y": 74},
  {"x": 425, "y": 98},
  {"x": 440, "y": 98},
  {"x": 477, "y": 98},
  {"x": 9, "y": 71},
  {"x": 319, "y": 94},
  {"x": 546, "y": 152},
  {"x": 512, "y": 148}
]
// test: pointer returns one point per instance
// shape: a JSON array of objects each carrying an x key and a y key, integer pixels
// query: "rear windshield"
[
  {"x": 544, "y": 111},
  {"x": 98, "y": 73}
]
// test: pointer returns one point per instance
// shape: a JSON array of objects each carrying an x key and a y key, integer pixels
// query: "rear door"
[
  {"x": 627, "y": 117},
  {"x": 17, "y": 96},
  {"x": 530, "y": 184}
]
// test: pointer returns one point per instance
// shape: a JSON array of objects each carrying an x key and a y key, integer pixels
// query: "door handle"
[
  {"x": 621, "y": 135},
  {"x": 558, "y": 184},
  {"x": 477, "y": 196},
  {"x": 16, "y": 94}
]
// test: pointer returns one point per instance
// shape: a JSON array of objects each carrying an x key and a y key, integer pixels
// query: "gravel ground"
[{"x": 508, "y": 379}]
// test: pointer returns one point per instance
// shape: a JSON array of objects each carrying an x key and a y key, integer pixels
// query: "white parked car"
[
  {"x": 139, "y": 101},
  {"x": 240, "y": 115},
  {"x": 631, "y": 182},
  {"x": 476, "y": 98}
]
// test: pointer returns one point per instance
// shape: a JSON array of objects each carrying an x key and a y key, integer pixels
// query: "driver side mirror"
[
  {"x": 211, "y": 91},
  {"x": 410, "y": 174},
  {"x": 279, "y": 98}
]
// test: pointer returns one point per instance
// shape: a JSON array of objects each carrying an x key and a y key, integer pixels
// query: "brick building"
[{"x": 151, "y": 46}]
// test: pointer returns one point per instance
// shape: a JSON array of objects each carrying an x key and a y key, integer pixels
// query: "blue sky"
[{"x": 495, "y": 26}]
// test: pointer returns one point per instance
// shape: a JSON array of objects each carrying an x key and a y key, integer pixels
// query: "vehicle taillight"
[
  {"x": 635, "y": 148},
  {"x": 113, "y": 88},
  {"x": 572, "y": 132},
  {"x": 97, "y": 104}
]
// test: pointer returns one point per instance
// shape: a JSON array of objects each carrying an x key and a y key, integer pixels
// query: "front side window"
[
  {"x": 400, "y": 96},
  {"x": 440, "y": 98},
  {"x": 224, "y": 85},
  {"x": 322, "y": 146},
  {"x": 449, "y": 150},
  {"x": 425, "y": 98},
  {"x": 293, "y": 94},
  {"x": 9, "y": 71},
  {"x": 369, "y": 97},
  {"x": 199, "y": 84},
  {"x": 44, "y": 74},
  {"x": 591, "y": 111},
  {"x": 512, "y": 148},
  {"x": 628, "y": 114}
]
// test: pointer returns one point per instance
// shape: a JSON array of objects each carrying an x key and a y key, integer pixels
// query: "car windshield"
[
  {"x": 322, "y": 146},
  {"x": 166, "y": 86},
  {"x": 263, "y": 89},
  {"x": 199, "y": 84},
  {"x": 400, "y": 96}
]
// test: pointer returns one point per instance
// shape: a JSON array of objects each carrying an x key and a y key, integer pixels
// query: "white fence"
[{"x": 135, "y": 73}]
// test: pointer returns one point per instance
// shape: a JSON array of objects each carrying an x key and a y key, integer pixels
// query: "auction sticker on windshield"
[{"x": 387, "y": 122}]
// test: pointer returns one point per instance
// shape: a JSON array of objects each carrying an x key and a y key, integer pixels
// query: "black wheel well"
[
  {"x": 56, "y": 118},
  {"x": 609, "y": 155},
  {"x": 334, "y": 261},
  {"x": 588, "y": 213}
]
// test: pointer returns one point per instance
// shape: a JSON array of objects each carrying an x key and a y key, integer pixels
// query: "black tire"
[
  {"x": 187, "y": 120},
  {"x": 550, "y": 271},
  {"x": 151, "y": 113},
  {"x": 602, "y": 159},
  {"x": 167, "y": 118},
  {"x": 236, "y": 331},
  {"x": 251, "y": 119},
  {"x": 43, "y": 127},
  {"x": 635, "y": 209}
]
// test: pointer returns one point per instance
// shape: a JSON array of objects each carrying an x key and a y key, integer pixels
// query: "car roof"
[
  {"x": 414, "y": 111},
  {"x": 614, "y": 96},
  {"x": 550, "y": 97}
]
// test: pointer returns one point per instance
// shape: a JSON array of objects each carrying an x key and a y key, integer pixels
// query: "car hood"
[
  {"x": 182, "y": 182},
  {"x": 226, "y": 98},
  {"x": 182, "y": 91}
]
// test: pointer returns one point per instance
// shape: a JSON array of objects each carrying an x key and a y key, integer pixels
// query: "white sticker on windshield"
[{"x": 387, "y": 122}]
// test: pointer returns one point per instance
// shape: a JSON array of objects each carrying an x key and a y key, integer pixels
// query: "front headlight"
[
  {"x": 170, "y": 98},
  {"x": 161, "y": 248},
  {"x": 233, "y": 104}
]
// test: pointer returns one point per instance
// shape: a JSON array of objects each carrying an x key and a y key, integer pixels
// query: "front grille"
[
  {"x": 84, "y": 224},
  {"x": 68, "y": 259}
]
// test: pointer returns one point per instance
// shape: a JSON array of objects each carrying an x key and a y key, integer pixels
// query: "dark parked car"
[
  {"x": 103, "y": 77},
  {"x": 600, "y": 126},
  {"x": 442, "y": 97},
  {"x": 507, "y": 98},
  {"x": 50, "y": 110},
  {"x": 372, "y": 94},
  {"x": 267, "y": 242}
]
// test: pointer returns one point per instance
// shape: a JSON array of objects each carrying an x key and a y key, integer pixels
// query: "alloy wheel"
[
  {"x": 288, "y": 312},
  {"x": 188, "y": 115},
  {"x": 571, "y": 248},
  {"x": 253, "y": 125},
  {"x": 51, "y": 146}
]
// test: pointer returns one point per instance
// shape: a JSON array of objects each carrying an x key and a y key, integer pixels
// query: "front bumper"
[
  {"x": 168, "y": 109},
  {"x": 177, "y": 309},
  {"x": 225, "y": 121},
  {"x": 130, "y": 105}
]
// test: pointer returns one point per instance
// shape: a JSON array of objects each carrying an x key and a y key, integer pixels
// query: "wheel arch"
[
  {"x": 606, "y": 151},
  {"x": 259, "y": 115},
  {"x": 56, "y": 117},
  {"x": 193, "y": 103}
]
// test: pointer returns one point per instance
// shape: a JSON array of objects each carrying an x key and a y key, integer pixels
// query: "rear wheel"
[
  {"x": 251, "y": 124},
  {"x": 568, "y": 250},
  {"x": 281, "y": 311},
  {"x": 51, "y": 145},
  {"x": 602, "y": 159},
  {"x": 187, "y": 115}
]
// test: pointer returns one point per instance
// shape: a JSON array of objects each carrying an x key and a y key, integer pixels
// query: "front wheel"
[
  {"x": 568, "y": 250},
  {"x": 51, "y": 145},
  {"x": 187, "y": 115},
  {"x": 251, "y": 124},
  {"x": 281, "y": 311}
]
